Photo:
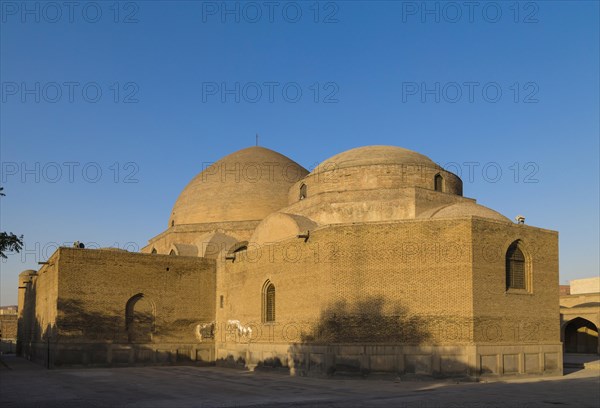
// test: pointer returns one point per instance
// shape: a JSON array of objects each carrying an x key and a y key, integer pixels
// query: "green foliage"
[{"x": 9, "y": 242}]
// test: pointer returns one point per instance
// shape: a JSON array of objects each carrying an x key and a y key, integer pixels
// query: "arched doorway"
[
  {"x": 581, "y": 336},
  {"x": 139, "y": 319}
]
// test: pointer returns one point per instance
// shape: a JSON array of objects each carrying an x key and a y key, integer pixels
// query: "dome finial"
[{"x": 257, "y": 139}]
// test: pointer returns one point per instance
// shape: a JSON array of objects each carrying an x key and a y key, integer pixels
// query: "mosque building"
[{"x": 373, "y": 262}]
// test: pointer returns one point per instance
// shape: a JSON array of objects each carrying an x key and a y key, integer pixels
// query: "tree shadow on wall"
[
  {"x": 338, "y": 342},
  {"x": 372, "y": 320},
  {"x": 84, "y": 337},
  {"x": 75, "y": 321},
  {"x": 175, "y": 329}
]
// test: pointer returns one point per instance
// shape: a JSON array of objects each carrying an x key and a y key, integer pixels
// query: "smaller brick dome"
[
  {"x": 279, "y": 226},
  {"x": 464, "y": 209}
]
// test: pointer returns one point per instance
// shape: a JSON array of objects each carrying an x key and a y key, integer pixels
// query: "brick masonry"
[{"x": 375, "y": 269}]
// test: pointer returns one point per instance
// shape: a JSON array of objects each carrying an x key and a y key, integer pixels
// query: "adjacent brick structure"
[
  {"x": 8, "y": 329},
  {"x": 580, "y": 316},
  {"x": 84, "y": 306}
]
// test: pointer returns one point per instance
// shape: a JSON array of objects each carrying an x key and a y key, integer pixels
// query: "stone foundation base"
[
  {"x": 102, "y": 355},
  {"x": 466, "y": 361},
  {"x": 459, "y": 361}
]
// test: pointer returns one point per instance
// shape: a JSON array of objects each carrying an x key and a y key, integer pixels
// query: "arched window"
[
  {"x": 173, "y": 223},
  {"x": 438, "y": 182},
  {"x": 516, "y": 268},
  {"x": 268, "y": 296},
  {"x": 302, "y": 191},
  {"x": 172, "y": 252},
  {"x": 154, "y": 251}
]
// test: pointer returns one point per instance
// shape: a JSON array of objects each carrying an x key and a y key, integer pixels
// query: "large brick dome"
[
  {"x": 370, "y": 168},
  {"x": 243, "y": 186}
]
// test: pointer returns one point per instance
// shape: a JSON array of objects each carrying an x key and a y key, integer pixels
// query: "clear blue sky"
[{"x": 379, "y": 68}]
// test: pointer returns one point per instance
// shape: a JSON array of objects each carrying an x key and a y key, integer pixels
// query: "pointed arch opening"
[
  {"x": 139, "y": 319},
  {"x": 268, "y": 302},
  {"x": 438, "y": 183},
  {"x": 518, "y": 274},
  {"x": 302, "y": 191},
  {"x": 581, "y": 336}
]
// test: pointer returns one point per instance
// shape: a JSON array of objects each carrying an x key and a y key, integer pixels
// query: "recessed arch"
[
  {"x": 581, "y": 336},
  {"x": 211, "y": 244},
  {"x": 140, "y": 315}
]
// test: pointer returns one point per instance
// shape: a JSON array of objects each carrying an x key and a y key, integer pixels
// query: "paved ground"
[
  {"x": 24, "y": 384},
  {"x": 582, "y": 360}
]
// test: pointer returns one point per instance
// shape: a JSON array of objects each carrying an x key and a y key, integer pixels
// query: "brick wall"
[
  {"x": 515, "y": 316},
  {"x": 409, "y": 296},
  {"x": 377, "y": 279},
  {"x": 79, "y": 302},
  {"x": 99, "y": 284}
]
